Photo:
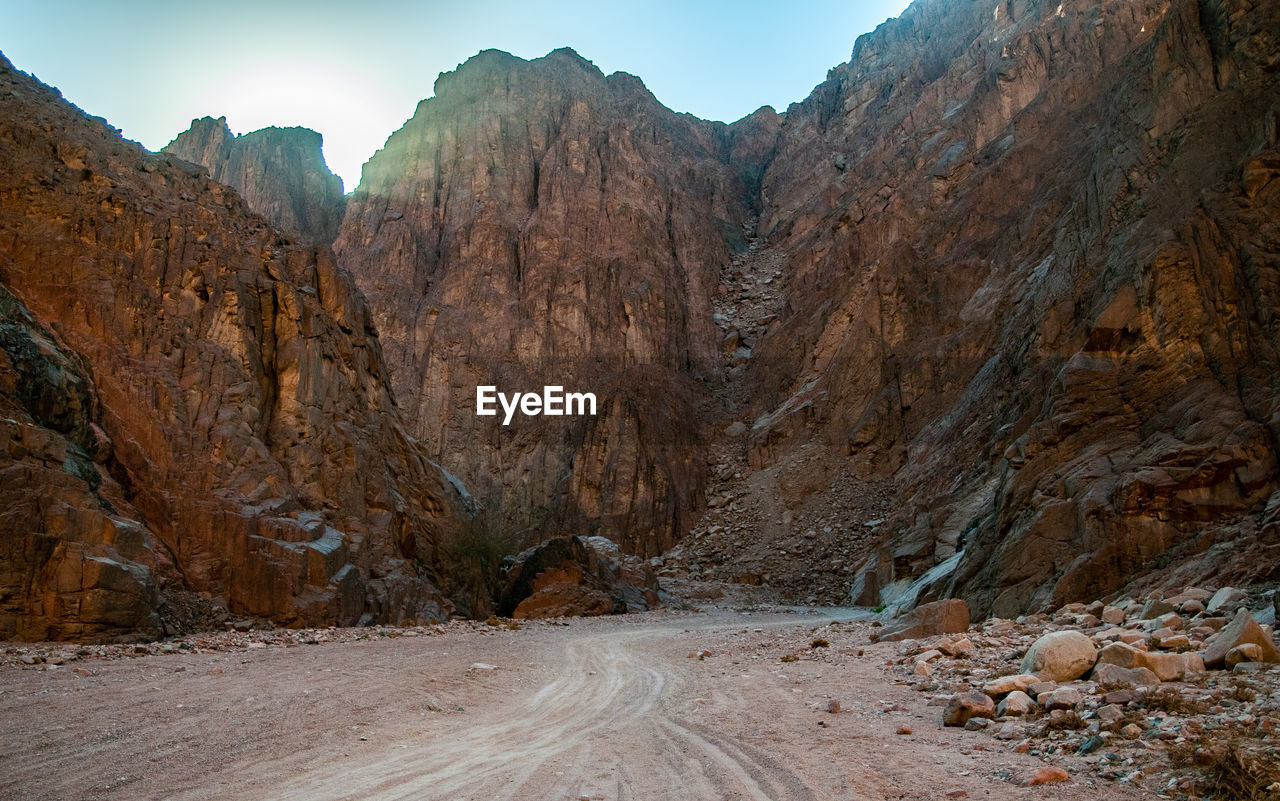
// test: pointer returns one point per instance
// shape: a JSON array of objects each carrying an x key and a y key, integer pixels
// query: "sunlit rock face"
[
  {"x": 280, "y": 172},
  {"x": 1033, "y": 280},
  {"x": 538, "y": 223},
  {"x": 188, "y": 402}
]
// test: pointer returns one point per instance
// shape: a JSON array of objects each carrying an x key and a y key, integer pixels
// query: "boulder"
[
  {"x": 964, "y": 706},
  {"x": 950, "y": 616},
  {"x": 1063, "y": 698},
  {"x": 1241, "y": 630},
  {"x": 1248, "y": 652},
  {"x": 1122, "y": 655},
  {"x": 1226, "y": 600},
  {"x": 1060, "y": 656},
  {"x": 1113, "y": 677},
  {"x": 1007, "y": 684},
  {"x": 1015, "y": 704}
]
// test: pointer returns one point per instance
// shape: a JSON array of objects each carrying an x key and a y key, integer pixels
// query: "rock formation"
[
  {"x": 1032, "y": 282},
  {"x": 576, "y": 576},
  {"x": 990, "y": 315},
  {"x": 188, "y": 403},
  {"x": 280, "y": 172},
  {"x": 537, "y": 223}
]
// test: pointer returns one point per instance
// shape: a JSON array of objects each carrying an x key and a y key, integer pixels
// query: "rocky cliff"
[
  {"x": 280, "y": 172},
  {"x": 538, "y": 223},
  {"x": 990, "y": 314},
  {"x": 1032, "y": 284},
  {"x": 189, "y": 403}
]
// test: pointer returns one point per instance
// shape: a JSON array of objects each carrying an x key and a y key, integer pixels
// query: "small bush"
[
  {"x": 1068, "y": 722},
  {"x": 1234, "y": 770},
  {"x": 1173, "y": 702}
]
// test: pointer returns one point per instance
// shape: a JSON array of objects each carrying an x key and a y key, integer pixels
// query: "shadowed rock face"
[
  {"x": 189, "y": 402},
  {"x": 1032, "y": 275},
  {"x": 537, "y": 223},
  {"x": 1034, "y": 279},
  {"x": 280, "y": 172}
]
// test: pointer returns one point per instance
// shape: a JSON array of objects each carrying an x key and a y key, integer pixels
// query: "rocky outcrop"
[
  {"x": 538, "y": 223},
  {"x": 189, "y": 402},
  {"x": 576, "y": 577},
  {"x": 1032, "y": 281},
  {"x": 280, "y": 172}
]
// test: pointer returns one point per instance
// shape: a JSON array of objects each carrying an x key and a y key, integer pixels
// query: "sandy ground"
[{"x": 597, "y": 709}]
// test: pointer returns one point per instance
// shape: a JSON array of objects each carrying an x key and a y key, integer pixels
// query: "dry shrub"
[
  {"x": 1242, "y": 692},
  {"x": 1173, "y": 702},
  {"x": 1068, "y": 722},
  {"x": 1235, "y": 770}
]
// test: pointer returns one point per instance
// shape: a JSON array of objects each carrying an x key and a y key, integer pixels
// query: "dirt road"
[{"x": 597, "y": 709}]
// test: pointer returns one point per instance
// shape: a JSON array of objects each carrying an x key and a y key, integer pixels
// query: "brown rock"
[
  {"x": 1241, "y": 630},
  {"x": 1007, "y": 684},
  {"x": 218, "y": 395},
  {"x": 933, "y": 150},
  {"x": 1015, "y": 704},
  {"x": 1114, "y": 677},
  {"x": 1048, "y": 776},
  {"x": 1060, "y": 656},
  {"x": 1246, "y": 652},
  {"x": 926, "y": 620},
  {"x": 575, "y": 576},
  {"x": 964, "y": 706},
  {"x": 585, "y": 254}
]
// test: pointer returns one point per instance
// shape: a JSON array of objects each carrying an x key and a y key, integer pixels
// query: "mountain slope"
[
  {"x": 1033, "y": 283},
  {"x": 193, "y": 403}
]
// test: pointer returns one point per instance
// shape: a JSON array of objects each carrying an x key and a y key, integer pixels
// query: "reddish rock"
[
  {"x": 191, "y": 403},
  {"x": 538, "y": 223},
  {"x": 926, "y": 620},
  {"x": 1241, "y": 630},
  {"x": 1079, "y": 404},
  {"x": 965, "y": 706},
  {"x": 575, "y": 576},
  {"x": 1114, "y": 677},
  {"x": 1048, "y": 776}
]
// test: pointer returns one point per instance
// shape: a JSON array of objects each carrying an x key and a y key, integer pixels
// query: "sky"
[{"x": 355, "y": 71}]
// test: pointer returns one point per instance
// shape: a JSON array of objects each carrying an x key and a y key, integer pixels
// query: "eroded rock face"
[
  {"x": 1033, "y": 278},
  {"x": 280, "y": 172},
  {"x": 190, "y": 401},
  {"x": 537, "y": 223},
  {"x": 576, "y": 577}
]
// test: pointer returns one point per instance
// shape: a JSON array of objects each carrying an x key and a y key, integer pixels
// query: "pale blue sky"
[{"x": 355, "y": 70}]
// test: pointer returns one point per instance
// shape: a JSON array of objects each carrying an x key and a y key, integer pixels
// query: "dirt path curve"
[{"x": 601, "y": 709}]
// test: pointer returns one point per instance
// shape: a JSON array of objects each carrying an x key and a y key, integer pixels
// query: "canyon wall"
[
  {"x": 1032, "y": 282},
  {"x": 1011, "y": 276},
  {"x": 538, "y": 223},
  {"x": 192, "y": 405}
]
